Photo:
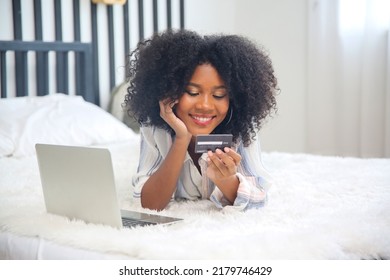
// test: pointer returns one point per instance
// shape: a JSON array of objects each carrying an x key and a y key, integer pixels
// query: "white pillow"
[{"x": 55, "y": 119}]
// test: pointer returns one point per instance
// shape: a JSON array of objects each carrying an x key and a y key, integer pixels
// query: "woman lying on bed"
[{"x": 183, "y": 85}]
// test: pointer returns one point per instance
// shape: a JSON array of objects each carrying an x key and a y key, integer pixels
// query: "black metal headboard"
[
  {"x": 85, "y": 64},
  {"x": 83, "y": 70}
]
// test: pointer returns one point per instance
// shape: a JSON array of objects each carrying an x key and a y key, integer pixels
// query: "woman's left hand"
[{"x": 222, "y": 165}]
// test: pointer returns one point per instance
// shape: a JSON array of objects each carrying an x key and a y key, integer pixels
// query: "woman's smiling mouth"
[{"x": 202, "y": 120}]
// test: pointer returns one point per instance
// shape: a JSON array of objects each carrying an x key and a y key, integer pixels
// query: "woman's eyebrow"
[
  {"x": 194, "y": 85},
  {"x": 199, "y": 86}
]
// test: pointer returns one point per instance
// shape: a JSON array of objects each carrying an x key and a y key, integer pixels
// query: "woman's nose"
[{"x": 205, "y": 102}]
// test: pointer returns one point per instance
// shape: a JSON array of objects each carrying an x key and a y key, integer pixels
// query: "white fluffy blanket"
[{"x": 319, "y": 208}]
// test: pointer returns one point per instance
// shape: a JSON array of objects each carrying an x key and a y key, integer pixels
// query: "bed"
[{"x": 319, "y": 207}]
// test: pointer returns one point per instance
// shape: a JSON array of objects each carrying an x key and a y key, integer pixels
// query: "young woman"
[{"x": 183, "y": 84}]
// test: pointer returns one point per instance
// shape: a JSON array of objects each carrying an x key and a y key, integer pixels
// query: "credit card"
[{"x": 211, "y": 142}]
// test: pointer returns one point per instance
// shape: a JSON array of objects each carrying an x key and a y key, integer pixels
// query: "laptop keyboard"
[{"x": 133, "y": 223}]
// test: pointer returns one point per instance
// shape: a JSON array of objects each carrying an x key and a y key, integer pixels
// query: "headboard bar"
[
  {"x": 83, "y": 66},
  {"x": 18, "y": 45},
  {"x": 169, "y": 14}
]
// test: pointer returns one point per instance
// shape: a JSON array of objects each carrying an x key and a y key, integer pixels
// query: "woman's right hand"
[
  {"x": 166, "y": 112},
  {"x": 153, "y": 196}
]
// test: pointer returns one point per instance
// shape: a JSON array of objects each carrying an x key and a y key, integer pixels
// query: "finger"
[
  {"x": 221, "y": 162},
  {"x": 166, "y": 106},
  {"x": 170, "y": 101},
  {"x": 221, "y": 156},
  {"x": 212, "y": 166},
  {"x": 224, "y": 157},
  {"x": 214, "y": 159},
  {"x": 174, "y": 102},
  {"x": 162, "y": 106},
  {"x": 229, "y": 163},
  {"x": 233, "y": 154}
]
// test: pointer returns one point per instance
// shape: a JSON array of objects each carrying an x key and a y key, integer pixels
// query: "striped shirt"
[{"x": 192, "y": 185}]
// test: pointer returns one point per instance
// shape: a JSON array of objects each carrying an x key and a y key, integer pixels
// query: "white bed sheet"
[
  {"x": 16, "y": 247},
  {"x": 318, "y": 208}
]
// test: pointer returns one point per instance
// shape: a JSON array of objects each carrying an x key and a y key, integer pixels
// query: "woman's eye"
[
  {"x": 220, "y": 96},
  {"x": 192, "y": 93}
]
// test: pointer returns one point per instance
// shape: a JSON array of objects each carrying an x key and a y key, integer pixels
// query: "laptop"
[{"x": 78, "y": 182}]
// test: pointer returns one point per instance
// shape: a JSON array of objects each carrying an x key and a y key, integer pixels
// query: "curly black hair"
[{"x": 161, "y": 67}]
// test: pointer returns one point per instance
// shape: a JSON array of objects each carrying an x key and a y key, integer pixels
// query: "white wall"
[
  {"x": 281, "y": 27},
  {"x": 211, "y": 16}
]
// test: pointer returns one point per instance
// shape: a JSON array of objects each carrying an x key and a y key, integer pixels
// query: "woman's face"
[{"x": 205, "y": 102}]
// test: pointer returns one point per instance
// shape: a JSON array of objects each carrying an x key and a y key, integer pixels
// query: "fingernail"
[{"x": 226, "y": 149}]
